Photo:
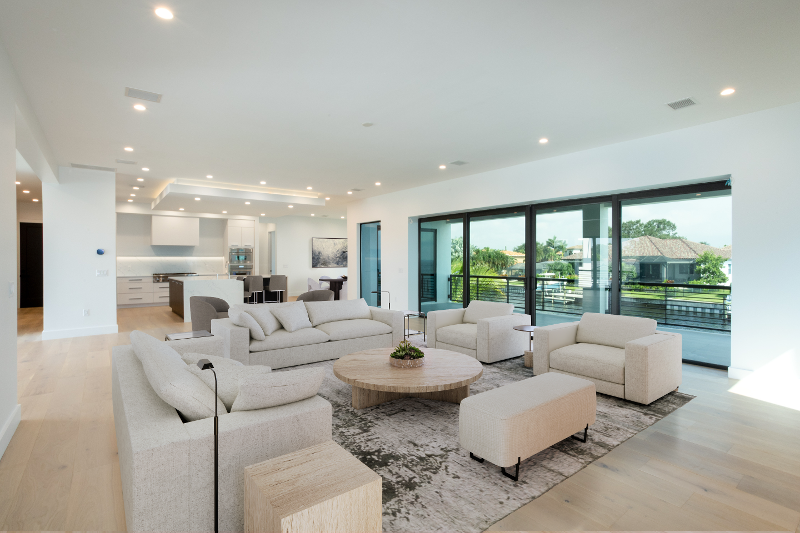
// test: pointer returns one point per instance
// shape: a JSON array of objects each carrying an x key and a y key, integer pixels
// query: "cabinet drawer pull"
[
  {"x": 135, "y": 298},
  {"x": 136, "y": 279},
  {"x": 135, "y": 288}
]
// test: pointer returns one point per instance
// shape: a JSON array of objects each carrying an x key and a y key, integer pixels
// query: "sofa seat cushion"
[
  {"x": 285, "y": 339},
  {"x": 591, "y": 360},
  {"x": 464, "y": 335},
  {"x": 354, "y": 329}
]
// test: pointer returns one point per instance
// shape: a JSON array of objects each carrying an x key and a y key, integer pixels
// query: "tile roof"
[{"x": 669, "y": 248}]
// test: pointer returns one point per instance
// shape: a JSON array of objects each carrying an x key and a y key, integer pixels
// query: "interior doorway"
[
  {"x": 371, "y": 263},
  {"x": 31, "y": 261}
]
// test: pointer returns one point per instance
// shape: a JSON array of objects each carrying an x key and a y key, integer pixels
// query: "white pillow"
[
  {"x": 229, "y": 371},
  {"x": 262, "y": 313},
  {"x": 292, "y": 316},
  {"x": 323, "y": 312},
  {"x": 239, "y": 317},
  {"x": 167, "y": 374},
  {"x": 259, "y": 391}
]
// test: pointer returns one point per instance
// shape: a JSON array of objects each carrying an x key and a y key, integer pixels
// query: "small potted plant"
[{"x": 406, "y": 355}]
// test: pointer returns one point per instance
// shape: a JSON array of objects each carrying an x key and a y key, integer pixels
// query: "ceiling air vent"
[
  {"x": 458, "y": 163},
  {"x": 142, "y": 95},
  {"x": 92, "y": 167},
  {"x": 126, "y": 162},
  {"x": 680, "y": 104},
  {"x": 356, "y": 190}
]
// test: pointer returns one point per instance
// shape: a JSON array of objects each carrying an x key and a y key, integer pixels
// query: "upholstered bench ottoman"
[{"x": 516, "y": 421}]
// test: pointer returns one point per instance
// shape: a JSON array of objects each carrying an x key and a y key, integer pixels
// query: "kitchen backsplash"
[{"x": 145, "y": 266}]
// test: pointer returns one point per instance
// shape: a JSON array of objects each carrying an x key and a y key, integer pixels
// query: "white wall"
[
  {"x": 293, "y": 235},
  {"x": 760, "y": 150},
  {"x": 133, "y": 238},
  {"x": 79, "y": 217},
  {"x": 264, "y": 228}
]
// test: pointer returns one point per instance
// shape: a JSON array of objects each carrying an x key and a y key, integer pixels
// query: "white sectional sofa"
[
  {"x": 484, "y": 330},
  {"x": 623, "y": 356},
  {"x": 167, "y": 466},
  {"x": 338, "y": 328}
]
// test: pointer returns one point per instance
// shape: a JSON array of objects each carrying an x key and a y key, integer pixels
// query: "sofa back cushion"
[
  {"x": 171, "y": 379},
  {"x": 613, "y": 330},
  {"x": 260, "y": 391},
  {"x": 478, "y": 309},
  {"x": 323, "y": 312},
  {"x": 243, "y": 319},
  {"x": 292, "y": 316}
]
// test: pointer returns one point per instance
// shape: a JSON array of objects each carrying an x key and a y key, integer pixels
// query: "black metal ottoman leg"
[
  {"x": 585, "y": 434},
  {"x": 514, "y": 477},
  {"x": 475, "y": 457}
]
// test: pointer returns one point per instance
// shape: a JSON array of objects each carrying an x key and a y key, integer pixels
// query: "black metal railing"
[
  {"x": 563, "y": 295},
  {"x": 508, "y": 289},
  {"x": 428, "y": 284},
  {"x": 674, "y": 304}
]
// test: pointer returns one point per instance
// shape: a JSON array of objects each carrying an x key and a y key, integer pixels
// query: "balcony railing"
[
  {"x": 490, "y": 289},
  {"x": 674, "y": 304},
  {"x": 428, "y": 284}
]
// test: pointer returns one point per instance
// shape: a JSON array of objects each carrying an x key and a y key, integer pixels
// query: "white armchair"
[
  {"x": 623, "y": 356},
  {"x": 483, "y": 330}
]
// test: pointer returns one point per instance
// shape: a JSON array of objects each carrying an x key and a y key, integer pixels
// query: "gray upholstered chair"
[
  {"x": 277, "y": 283},
  {"x": 204, "y": 309},
  {"x": 252, "y": 286},
  {"x": 316, "y": 296}
]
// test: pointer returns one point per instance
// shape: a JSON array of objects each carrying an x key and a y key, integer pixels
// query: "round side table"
[{"x": 528, "y": 353}]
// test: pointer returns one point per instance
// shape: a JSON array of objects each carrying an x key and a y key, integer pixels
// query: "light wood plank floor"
[{"x": 723, "y": 462}]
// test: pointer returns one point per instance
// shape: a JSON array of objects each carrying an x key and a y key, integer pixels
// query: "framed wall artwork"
[{"x": 328, "y": 252}]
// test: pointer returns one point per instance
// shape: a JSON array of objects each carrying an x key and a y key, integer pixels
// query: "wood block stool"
[{"x": 321, "y": 488}]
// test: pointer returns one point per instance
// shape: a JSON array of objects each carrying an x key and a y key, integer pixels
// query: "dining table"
[{"x": 335, "y": 285}]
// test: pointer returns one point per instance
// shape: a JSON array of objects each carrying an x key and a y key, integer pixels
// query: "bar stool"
[
  {"x": 252, "y": 286},
  {"x": 277, "y": 283}
]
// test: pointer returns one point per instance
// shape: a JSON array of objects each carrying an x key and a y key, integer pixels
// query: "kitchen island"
[{"x": 181, "y": 288}]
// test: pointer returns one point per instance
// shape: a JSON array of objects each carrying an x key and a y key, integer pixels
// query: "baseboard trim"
[
  {"x": 9, "y": 427},
  {"x": 738, "y": 373},
  {"x": 48, "y": 335}
]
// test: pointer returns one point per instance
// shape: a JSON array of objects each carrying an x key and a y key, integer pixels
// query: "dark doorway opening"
[{"x": 31, "y": 261}]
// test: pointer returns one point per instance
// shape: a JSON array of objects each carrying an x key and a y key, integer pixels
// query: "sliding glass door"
[
  {"x": 441, "y": 253},
  {"x": 370, "y": 260},
  {"x": 573, "y": 262},
  {"x": 497, "y": 258}
]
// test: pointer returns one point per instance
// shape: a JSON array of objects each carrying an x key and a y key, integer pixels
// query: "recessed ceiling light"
[
  {"x": 327, "y": 197},
  {"x": 197, "y": 199},
  {"x": 247, "y": 203},
  {"x": 377, "y": 183},
  {"x": 312, "y": 214},
  {"x": 263, "y": 214},
  {"x": 145, "y": 169},
  {"x": 342, "y": 217},
  {"x": 543, "y": 140},
  {"x": 180, "y": 209},
  {"x": 728, "y": 91},
  {"x": 263, "y": 182},
  {"x": 139, "y": 107},
  {"x": 209, "y": 176},
  {"x": 442, "y": 167},
  {"x": 26, "y": 192},
  {"x": 139, "y": 179},
  {"x": 35, "y": 199},
  {"x": 136, "y": 188},
  {"x": 132, "y": 200},
  {"x": 164, "y": 13},
  {"x": 128, "y": 149},
  {"x": 291, "y": 206},
  {"x": 349, "y": 192},
  {"x": 224, "y": 212},
  {"x": 16, "y": 182},
  {"x": 309, "y": 188},
  {"x": 133, "y": 194}
]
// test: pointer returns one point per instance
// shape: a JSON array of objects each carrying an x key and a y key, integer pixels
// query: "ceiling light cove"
[
  {"x": 164, "y": 13},
  {"x": 727, "y": 92},
  {"x": 128, "y": 149},
  {"x": 140, "y": 107},
  {"x": 544, "y": 140}
]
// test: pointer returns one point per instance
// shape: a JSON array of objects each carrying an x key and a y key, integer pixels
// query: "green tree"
[
  {"x": 561, "y": 269},
  {"x": 709, "y": 266},
  {"x": 457, "y": 250},
  {"x": 660, "y": 228},
  {"x": 489, "y": 257},
  {"x": 520, "y": 248}
]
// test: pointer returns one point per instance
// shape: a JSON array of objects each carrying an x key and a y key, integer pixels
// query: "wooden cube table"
[{"x": 321, "y": 488}]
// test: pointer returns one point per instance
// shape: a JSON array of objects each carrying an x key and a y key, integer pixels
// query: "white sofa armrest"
[
  {"x": 549, "y": 338},
  {"x": 441, "y": 319},
  {"x": 652, "y": 366},
  {"x": 235, "y": 339},
  {"x": 391, "y": 318},
  {"x": 203, "y": 345},
  {"x": 498, "y": 340}
]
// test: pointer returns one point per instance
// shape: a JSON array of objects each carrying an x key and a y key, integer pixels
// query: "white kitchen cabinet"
[
  {"x": 235, "y": 236},
  {"x": 248, "y": 237},
  {"x": 141, "y": 298},
  {"x": 137, "y": 290}
]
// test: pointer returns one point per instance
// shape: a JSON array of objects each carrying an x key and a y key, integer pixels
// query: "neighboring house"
[{"x": 517, "y": 256}]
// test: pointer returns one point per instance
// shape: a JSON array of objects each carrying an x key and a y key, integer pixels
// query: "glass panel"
[
  {"x": 371, "y": 263},
  {"x": 677, "y": 269},
  {"x": 497, "y": 259},
  {"x": 440, "y": 264},
  {"x": 573, "y": 262}
]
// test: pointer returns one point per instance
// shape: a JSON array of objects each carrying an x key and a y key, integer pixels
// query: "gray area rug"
[{"x": 429, "y": 481}]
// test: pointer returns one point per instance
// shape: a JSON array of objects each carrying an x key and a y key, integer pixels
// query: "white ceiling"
[{"x": 277, "y": 91}]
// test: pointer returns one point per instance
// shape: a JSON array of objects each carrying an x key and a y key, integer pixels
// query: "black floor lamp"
[
  {"x": 390, "y": 296},
  {"x": 205, "y": 364}
]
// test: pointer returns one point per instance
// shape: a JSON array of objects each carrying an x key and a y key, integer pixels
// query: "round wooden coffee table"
[{"x": 445, "y": 376}]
